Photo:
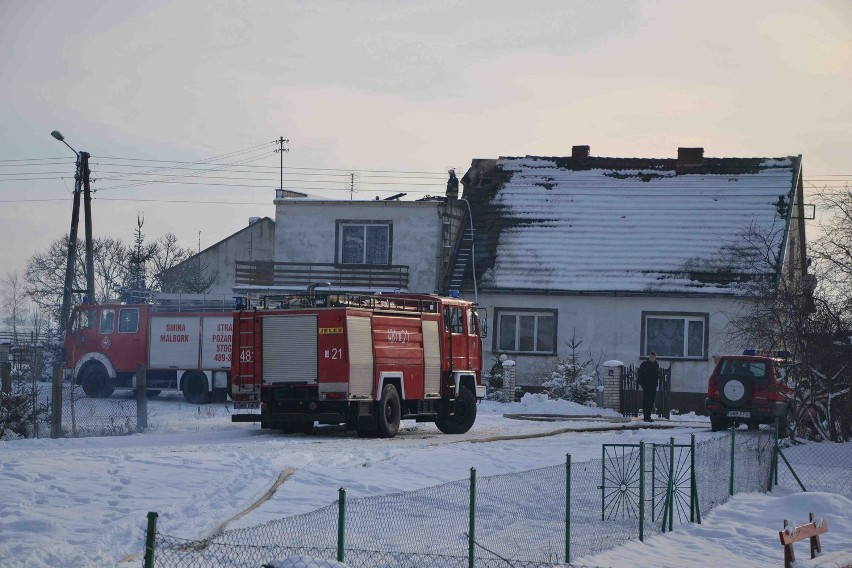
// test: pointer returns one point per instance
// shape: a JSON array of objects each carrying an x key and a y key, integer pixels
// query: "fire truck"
[
  {"x": 184, "y": 343},
  {"x": 363, "y": 361}
]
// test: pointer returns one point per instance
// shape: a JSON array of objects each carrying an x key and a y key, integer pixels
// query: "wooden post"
[
  {"x": 815, "y": 545},
  {"x": 141, "y": 399},
  {"x": 789, "y": 555},
  {"x": 56, "y": 402},
  {"x": 810, "y": 531}
]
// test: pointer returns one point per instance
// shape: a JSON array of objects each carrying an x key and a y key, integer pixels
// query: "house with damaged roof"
[{"x": 628, "y": 255}]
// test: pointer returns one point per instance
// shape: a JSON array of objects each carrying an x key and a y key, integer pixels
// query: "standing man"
[{"x": 649, "y": 371}]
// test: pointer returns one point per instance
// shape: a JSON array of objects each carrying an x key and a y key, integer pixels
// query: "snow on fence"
[{"x": 539, "y": 518}]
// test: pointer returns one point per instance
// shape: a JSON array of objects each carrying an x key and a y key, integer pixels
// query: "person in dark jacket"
[{"x": 649, "y": 371}]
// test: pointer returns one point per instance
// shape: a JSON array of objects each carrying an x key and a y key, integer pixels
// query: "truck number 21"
[{"x": 335, "y": 353}]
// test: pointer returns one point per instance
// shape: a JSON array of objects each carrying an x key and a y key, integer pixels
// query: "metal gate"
[
  {"x": 630, "y": 395},
  {"x": 624, "y": 484}
]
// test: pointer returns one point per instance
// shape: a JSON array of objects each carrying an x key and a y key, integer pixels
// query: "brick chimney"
[
  {"x": 689, "y": 159},
  {"x": 579, "y": 152}
]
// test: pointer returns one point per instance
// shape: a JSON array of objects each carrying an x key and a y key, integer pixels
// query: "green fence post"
[
  {"x": 472, "y": 526},
  {"x": 641, "y": 491},
  {"x": 567, "y": 508},
  {"x": 150, "y": 539},
  {"x": 777, "y": 449},
  {"x": 671, "y": 485},
  {"x": 733, "y": 448},
  {"x": 692, "y": 491},
  {"x": 653, "y": 481},
  {"x": 603, "y": 480},
  {"x": 341, "y": 523}
]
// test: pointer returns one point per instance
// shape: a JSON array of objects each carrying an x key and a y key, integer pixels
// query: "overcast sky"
[{"x": 389, "y": 86}]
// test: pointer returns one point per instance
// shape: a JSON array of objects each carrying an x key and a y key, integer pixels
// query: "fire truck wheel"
[
  {"x": 390, "y": 412},
  {"x": 195, "y": 388},
  {"x": 463, "y": 417},
  {"x": 94, "y": 379}
]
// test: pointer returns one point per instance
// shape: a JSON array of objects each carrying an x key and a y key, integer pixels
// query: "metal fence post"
[
  {"x": 603, "y": 481},
  {"x": 56, "y": 402},
  {"x": 567, "y": 508},
  {"x": 472, "y": 525},
  {"x": 733, "y": 451},
  {"x": 693, "y": 493},
  {"x": 341, "y": 523},
  {"x": 150, "y": 539},
  {"x": 641, "y": 491},
  {"x": 141, "y": 398},
  {"x": 671, "y": 485}
]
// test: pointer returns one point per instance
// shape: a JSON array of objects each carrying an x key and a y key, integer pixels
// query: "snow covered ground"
[{"x": 82, "y": 502}]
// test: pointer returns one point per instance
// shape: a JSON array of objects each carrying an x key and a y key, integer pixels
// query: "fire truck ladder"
[{"x": 245, "y": 341}]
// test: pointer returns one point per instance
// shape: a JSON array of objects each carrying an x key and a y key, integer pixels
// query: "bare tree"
[
  {"x": 168, "y": 255},
  {"x": 13, "y": 303},
  {"x": 780, "y": 308}
]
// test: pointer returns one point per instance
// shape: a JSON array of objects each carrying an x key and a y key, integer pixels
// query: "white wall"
[
  {"x": 254, "y": 242},
  {"x": 305, "y": 232},
  {"x": 613, "y": 324}
]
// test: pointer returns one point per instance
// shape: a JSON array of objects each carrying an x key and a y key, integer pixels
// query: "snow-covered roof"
[{"x": 593, "y": 224}]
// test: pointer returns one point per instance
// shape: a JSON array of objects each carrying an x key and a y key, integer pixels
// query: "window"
[
  {"x": 85, "y": 319},
  {"x": 525, "y": 331},
  {"x": 453, "y": 319},
  {"x": 364, "y": 242},
  {"x": 107, "y": 321},
  {"x": 675, "y": 335},
  {"x": 128, "y": 320},
  {"x": 471, "y": 329}
]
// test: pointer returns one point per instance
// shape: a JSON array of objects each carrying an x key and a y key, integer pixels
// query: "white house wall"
[
  {"x": 254, "y": 242},
  {"x": 612, "y": 325},
  {"x": 305, "y": 231}
]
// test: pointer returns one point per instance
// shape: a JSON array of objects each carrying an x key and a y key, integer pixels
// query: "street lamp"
[{"x": 81, "y": 180}]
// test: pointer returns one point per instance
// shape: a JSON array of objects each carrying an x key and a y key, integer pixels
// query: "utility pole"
[
  {"x": 87, "y": 207},
  {"x": 81, "y": 184},
  {"x": 280, "y": 151},
  {"x": 67, "y": 289}
]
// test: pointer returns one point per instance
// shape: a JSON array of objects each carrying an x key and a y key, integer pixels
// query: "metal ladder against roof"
[{"x": 464, "y": 256}]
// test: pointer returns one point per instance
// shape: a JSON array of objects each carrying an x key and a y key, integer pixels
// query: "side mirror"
[{"x": 483, "y": 322}]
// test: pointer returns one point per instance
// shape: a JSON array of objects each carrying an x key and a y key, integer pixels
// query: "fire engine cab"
[
  {"x": 184, "y": 343},
  {"x": 363, "y": 361}
]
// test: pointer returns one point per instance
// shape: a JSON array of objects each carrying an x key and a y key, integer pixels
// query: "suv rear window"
[{"x": 736, "y": 368}]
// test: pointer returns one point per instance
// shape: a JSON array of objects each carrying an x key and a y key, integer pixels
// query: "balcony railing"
[{"x": 298, "y": 275}]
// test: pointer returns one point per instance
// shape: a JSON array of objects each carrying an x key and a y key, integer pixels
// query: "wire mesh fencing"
[
  {"x": 81, "y": 415},
  {"x": 531, "y": 519},
  {"x": 816, "y": 466}
]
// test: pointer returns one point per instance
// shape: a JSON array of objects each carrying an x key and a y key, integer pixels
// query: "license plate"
[
  {"x": 245, "y": 405},
  {"x": 738, "y": 414}
]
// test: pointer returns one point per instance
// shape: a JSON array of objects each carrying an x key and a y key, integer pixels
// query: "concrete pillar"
[
  {"x": 509, "y": 379},
  {"x": 613, "y": 371}
]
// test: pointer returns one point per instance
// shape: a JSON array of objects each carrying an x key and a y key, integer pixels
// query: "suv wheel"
[{"x": 719, "y": 423}]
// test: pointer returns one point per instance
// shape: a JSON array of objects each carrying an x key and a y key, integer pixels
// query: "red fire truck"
[
  {"x": 184, "y": 344},
  {"x": 363, "y": 361}
]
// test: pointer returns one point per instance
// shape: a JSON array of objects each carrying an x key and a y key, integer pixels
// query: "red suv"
[{"x": 746, "y": 389}]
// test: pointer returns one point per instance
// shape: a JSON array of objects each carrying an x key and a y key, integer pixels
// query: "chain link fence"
[
  {"x": 37, "y": 401},
  {"x": 531, "y": 519},
  {"x": 815, "y": 466}
]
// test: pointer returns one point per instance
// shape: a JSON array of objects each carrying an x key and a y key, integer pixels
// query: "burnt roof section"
[{"x": 635, "y": 225}]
